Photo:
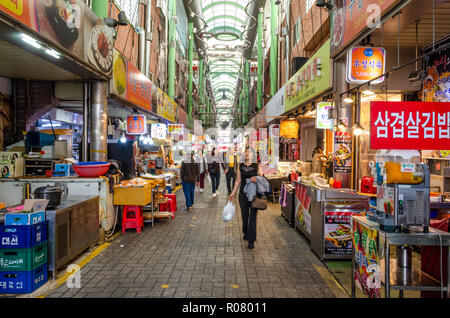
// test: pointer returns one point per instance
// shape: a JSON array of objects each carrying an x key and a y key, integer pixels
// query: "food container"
[
  {"x": 402, "y": 166},
  {"x": 91, "y": 169},
  {"x": 52, "y": 194}
]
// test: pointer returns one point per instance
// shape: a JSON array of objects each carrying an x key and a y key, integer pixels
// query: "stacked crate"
[{"x": 23, "y": 253}]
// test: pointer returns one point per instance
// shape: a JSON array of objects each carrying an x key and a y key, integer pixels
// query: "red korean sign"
[
  {"x": 409, "y": 125},
  {"x": 139, "y": 88}
]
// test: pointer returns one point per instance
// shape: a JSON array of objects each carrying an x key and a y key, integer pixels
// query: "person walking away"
[
  {"x": 247, "y": 170},
  {"x": 230, "y": 169},
  {"x": 189, "y": 174},
  {"x": 213, "y": 170},
  {"x": 202, "y": 164}
]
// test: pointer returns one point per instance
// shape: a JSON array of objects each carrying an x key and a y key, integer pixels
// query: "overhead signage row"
[{"x": 311, "y": 80}]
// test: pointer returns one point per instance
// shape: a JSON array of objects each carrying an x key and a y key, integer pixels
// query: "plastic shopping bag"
[
  {"x": 228, "y": 212},
  {"x": 209, "y": 178}
]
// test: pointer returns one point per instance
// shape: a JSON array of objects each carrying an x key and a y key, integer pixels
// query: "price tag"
[{"x": 408, "y": 167}]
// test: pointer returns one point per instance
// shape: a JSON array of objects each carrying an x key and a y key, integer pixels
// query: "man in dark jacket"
[{"x": 189, "y": 174}]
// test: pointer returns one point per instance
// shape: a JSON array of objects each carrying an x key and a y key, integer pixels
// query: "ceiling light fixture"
[
  {"x": 368, "y": 92},
  {"x": 31, "y": 41}
]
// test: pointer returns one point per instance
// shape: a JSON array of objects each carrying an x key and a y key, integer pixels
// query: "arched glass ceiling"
[{"x": 226, "y": 20}]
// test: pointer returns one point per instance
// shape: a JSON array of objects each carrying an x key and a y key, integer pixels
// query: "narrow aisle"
[{"x": 198, "y": 255}]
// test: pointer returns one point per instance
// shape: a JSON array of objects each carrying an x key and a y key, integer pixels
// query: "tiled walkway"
[{"x": 198, "y": 255}]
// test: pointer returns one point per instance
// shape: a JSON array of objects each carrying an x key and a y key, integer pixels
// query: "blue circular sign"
[{"x": 368, "y": 52}]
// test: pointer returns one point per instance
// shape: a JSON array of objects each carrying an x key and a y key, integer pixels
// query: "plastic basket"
[
  {"x": 22, "y": 236},
  {"x": 23, "y": 282},
  {"x": 23, "y": 259}
]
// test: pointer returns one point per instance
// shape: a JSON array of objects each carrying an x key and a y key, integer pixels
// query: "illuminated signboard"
[
  {"x": 136, "y": 125},
  {"x": 364, "y": 64}
]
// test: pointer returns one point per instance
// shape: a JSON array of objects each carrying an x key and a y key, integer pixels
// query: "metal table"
[{"x": 419, "y": 280}]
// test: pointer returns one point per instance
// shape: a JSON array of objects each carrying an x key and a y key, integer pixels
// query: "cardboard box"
[
  {"x": 12, "y": 170},
  {"x": 8, "y": 157},
  {"x": 35, "y": 205}
]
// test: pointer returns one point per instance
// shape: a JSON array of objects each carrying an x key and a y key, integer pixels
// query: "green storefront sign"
[{"x": 311, "y": 80}]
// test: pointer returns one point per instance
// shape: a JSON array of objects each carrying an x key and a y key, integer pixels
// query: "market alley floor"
[{"x": 198, "y": 255}]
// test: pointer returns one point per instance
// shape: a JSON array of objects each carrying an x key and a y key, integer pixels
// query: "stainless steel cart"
[{"x": 397, "y": 278}]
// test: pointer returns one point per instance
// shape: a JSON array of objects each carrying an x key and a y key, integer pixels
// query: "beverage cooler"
[
  {"x": 324, "y": 215},
  {"x": 287, "y": 202}
]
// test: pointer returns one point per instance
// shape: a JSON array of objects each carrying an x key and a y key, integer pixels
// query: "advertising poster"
[
  {"x": 338, "y": 233},
  {"x": 367, "y": 267},
  {"x": 303, "y": 215},
  {"x": 350, "y": 17},
  {"x": 342, "y": 152},
  {"x": 70, "y": 24}
]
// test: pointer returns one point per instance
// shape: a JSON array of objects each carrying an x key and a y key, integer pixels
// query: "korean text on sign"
[{"x": 410, "y": 125}]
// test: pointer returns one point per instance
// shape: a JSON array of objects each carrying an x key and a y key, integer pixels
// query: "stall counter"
[
  {"x": 324, "y": 214},
  {"x": 12, "y": 192}
]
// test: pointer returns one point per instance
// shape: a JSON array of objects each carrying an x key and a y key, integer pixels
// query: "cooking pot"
[{"x": 52, "y": 194}]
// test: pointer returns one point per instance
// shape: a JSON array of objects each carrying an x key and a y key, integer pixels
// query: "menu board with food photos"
[
  {"x": 338, "y": 233},
  {"x": 342, "y": 152}
]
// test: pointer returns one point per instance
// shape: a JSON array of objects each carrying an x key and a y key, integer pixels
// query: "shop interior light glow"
[
  {"x": 348, "y": 100},
  {"x": 123, "y": 139},
  {"x": 341, "y": 125},
  {"x": 357, "y": 129},
  {"x": 368, "y": 92},
  {"x": 31, "y": 41},
  {"x": 141, "y": 138}
]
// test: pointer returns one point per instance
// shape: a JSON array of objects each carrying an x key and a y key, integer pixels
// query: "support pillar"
[
  {"x": 99, "y": 122},
  {"x": 85, "y": 139},
  {"x": 100, "y": 8},
  {"x": 200, "y": 89},
  {"x": 190, "y": 66},
  {"x": 172, "y": 49},
  {"x": 273, "y": 47},
  {"x": 259, "y": 82}
]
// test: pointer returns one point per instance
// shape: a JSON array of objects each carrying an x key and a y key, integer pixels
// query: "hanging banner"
[
  {"x": 367, "y": 267},
  {"x": 409, "y": 125},
  {"x": 136, "y": 125},
  {"x": 175, "y": 129},
  {"x": 311, "y": 80},
  {"x": 158, "y": 131},
  {"x": 364, "y": 64},
  {"x": 322, "y": 120},
  {"x": 436, "y": 86},
  {"x": 350, "y": 17},
  {"x": 198, "y": 129},
  {"x": 342, "y": 152}
]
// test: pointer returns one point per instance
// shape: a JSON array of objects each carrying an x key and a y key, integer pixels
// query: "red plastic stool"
[
  {"x": 173, "y": 197},
  {"x": 132, "y": 218},
  {"x": 168, "y": 207}
]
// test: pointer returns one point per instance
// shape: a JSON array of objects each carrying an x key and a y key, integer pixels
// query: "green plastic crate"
[{"x": 23, "y": 259}]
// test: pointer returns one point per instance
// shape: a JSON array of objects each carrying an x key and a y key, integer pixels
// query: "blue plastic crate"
[
  {"x": 19, "y": 218},
  {"x": 22, "y": 236},
  {"x": 23, "y": 282}
]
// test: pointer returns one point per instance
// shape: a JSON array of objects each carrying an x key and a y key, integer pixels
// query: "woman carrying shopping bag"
[
  {"x": 213, "y": 169},
  {"x": 248, "y": 170}
]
